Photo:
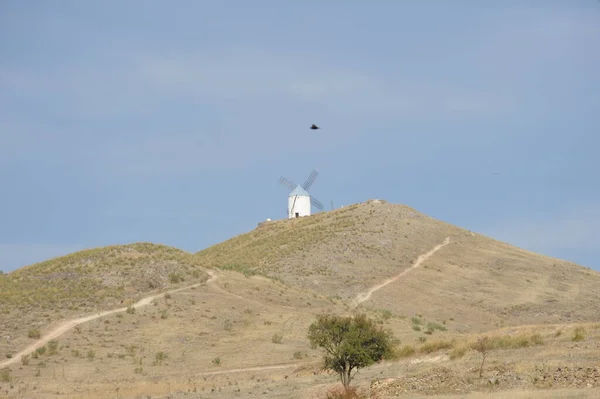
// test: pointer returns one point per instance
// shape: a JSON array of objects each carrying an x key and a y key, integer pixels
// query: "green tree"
[{"x": 350, "y": 343}]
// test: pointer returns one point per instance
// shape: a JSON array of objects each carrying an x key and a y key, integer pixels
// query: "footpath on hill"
[
  {"x": 69, "y": 324},
  {"x": 363, "y": 296}
]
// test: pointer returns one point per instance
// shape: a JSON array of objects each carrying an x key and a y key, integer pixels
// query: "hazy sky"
[{"x": 171, "y": 122}]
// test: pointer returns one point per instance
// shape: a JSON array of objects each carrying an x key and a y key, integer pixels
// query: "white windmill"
[{"x": 299, "y": 200}]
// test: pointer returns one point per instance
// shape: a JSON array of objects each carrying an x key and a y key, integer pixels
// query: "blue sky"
[{"x": 171, "y": 122}]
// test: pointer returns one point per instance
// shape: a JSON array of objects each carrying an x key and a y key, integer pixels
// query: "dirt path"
[
  {"x": 257, "y": 368},
  {"x": 363, "y": 296},
  {"x": 69, "y": 324}
]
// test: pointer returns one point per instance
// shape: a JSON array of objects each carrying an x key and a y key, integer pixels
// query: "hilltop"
[{"x": 341, "y": 253}]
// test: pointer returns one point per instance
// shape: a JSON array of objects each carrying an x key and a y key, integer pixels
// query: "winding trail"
[
  {"x": 363, "y": 296},
  {"x": 69, "y": 324}
]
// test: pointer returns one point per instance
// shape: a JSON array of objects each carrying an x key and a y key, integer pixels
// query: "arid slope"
[
  {"x": 34, "y": 298},
  {"x": 474, "y": 282}
]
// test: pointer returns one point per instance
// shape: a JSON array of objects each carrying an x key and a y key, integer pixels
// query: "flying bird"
[{"x": 314, "y": 127}]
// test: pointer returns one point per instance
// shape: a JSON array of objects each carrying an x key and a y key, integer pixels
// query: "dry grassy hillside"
[
  {"x": 341, "y": 253},
  {"x": 243, "y": 335},
  {"x": 35, "y": 297}
]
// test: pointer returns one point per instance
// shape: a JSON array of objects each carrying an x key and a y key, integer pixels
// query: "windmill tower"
[{"x": 299, "y": 200}]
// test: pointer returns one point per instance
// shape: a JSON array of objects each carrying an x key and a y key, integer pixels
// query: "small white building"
[{"x": 298, "y": 203}]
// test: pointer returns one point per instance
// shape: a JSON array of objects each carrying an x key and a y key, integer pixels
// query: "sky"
[{"x": 172, "y": 122}]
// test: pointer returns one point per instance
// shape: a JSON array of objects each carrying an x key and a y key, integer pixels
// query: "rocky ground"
[{"x": 447, "y": 380}]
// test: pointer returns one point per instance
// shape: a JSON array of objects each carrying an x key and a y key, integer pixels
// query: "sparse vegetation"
[
  {"x": 34, "y": 333},
  {"x": 457, "y": 352},
  {"x": 578, "y": 334},
  {"x": 277, "y": 338},
  {"x": 435, "y": 346},
  {"x": 205, "y": 326},
  {"x": 405, "y": 351},
  {"x": 5, "y": 375},
  {"x": 160, "y": 357},
  {"x": 482, "y": 346},
  {"x": 436, "y": 326},
  {"x": 245, "y": 270},
  {"x": 83, "y": 282},
  {"x": 175, "y": 278},
  {"x": 52, "y": 347}
]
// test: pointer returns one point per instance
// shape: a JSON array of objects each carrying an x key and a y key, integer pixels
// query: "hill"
[
  {"x": 151, "y": 323},
  {"x": 341, "y": 253},
  {"x": 36, "y": 297}
]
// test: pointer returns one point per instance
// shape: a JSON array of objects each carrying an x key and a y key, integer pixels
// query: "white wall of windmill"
[{"x": 298, "y": 206}]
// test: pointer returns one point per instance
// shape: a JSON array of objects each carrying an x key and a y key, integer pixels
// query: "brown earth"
[{"x": 243, "y": 333}]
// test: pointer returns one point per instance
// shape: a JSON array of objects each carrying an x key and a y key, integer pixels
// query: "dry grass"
[
  {"x": 35, "y": 297},
  {"x": 341, "y": 253},
  {"x": 215, "y": 339}
]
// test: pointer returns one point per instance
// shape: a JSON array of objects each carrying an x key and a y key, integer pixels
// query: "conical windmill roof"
[{"x": 299, "y": 192}]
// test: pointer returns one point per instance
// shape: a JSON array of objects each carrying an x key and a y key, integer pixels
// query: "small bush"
[
  {"x": 227, "y": 326},
  {"x": 174, "y": 278},
  {"x": 277, "y": 338},
  {"x": 436, "y": 326},
  {"x": 386, "y": 314},
  {"x": 25, "y": 360},
  {"x": 91, "y": 355},
  {"x": 52, "y": 347},
  {"x": 34, "y": 333},
  {"x": 216, "y": 361},
  {"x": 5, "y": 375},
  {"x": 297, "y": 355},
  {"x": 578, "y": 334},
  {"x": 160, "y": 357},
  {"x": 130, "y": 309}
]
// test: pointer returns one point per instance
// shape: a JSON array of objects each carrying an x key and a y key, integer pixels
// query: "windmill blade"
[
  {"x": 310, "y": 180},
  {"x": 316, "y": 203},
  {"x": 287, "y": 183}
]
